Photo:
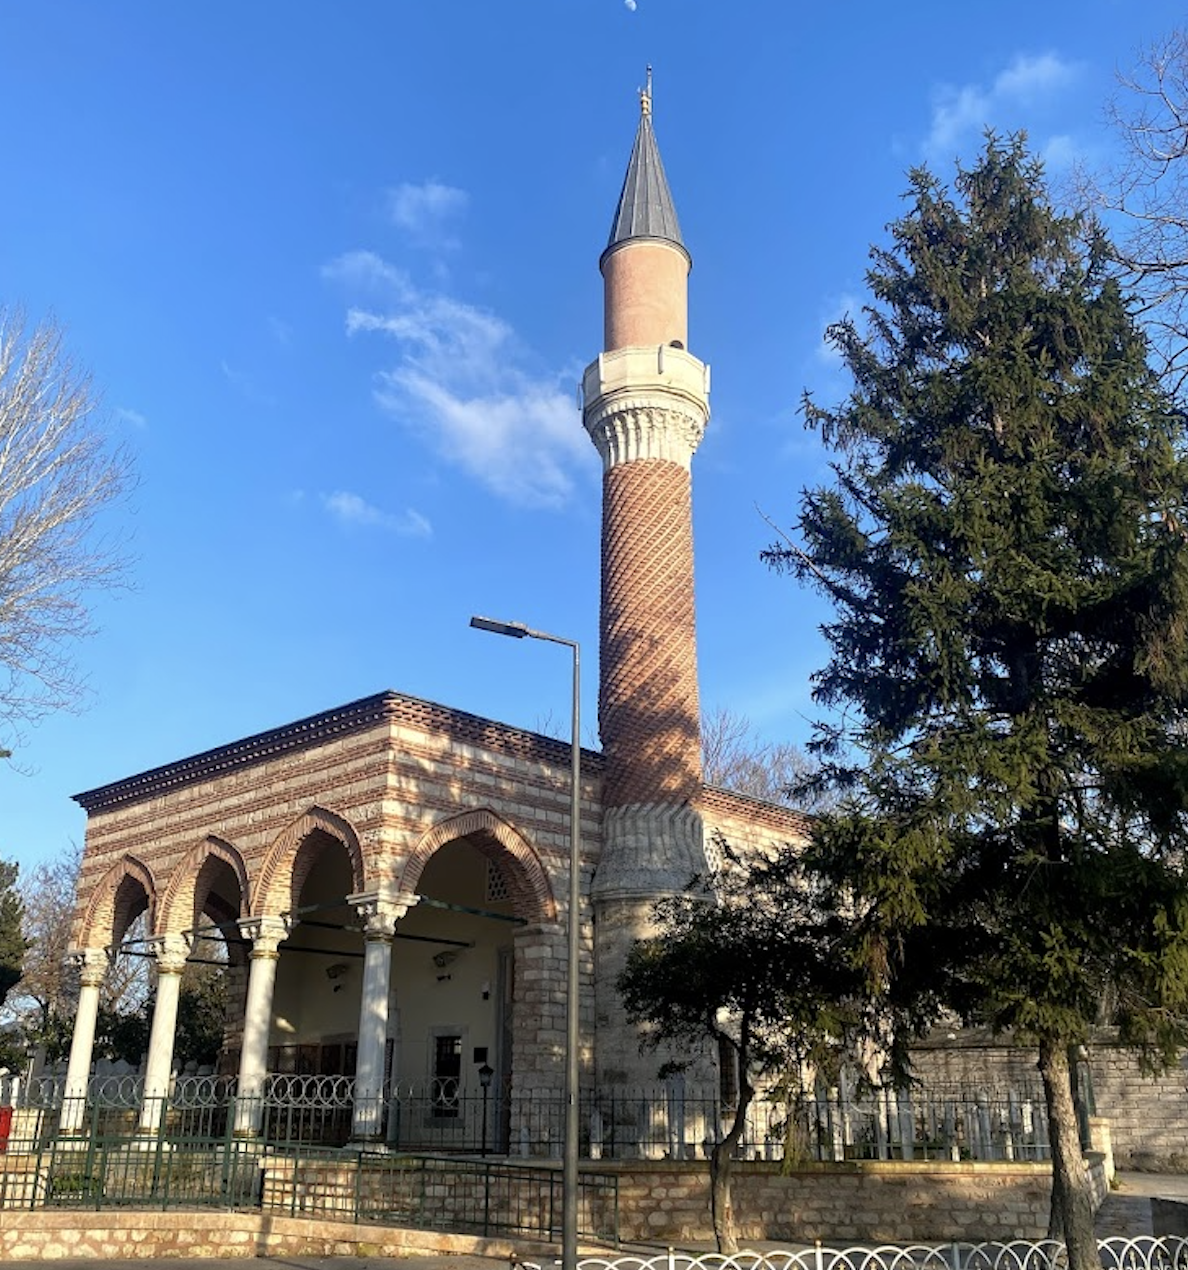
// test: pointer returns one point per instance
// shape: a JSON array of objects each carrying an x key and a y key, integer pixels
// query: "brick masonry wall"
[
  {"x": 648, "y": 711},
  {"x": 390, "y": 784}
]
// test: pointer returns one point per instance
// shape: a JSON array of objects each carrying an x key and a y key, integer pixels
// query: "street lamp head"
[{"x": 517, "y": 630}]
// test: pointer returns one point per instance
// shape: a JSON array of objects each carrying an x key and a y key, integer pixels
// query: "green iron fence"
[{"x": 192, "y": 1156}]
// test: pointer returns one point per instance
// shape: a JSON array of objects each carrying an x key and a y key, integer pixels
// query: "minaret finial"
[{"x": 645, "y": 96}]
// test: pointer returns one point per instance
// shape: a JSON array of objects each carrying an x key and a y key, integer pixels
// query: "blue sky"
[{"x": 334, "y": 270}]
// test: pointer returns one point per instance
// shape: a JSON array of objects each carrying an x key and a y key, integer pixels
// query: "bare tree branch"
[{"x": 1150, "y": 189}]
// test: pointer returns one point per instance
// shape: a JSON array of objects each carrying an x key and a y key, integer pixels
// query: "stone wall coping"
[
  {"x": 778, "y": 816},
  {"x": 812, "y": 1168}
]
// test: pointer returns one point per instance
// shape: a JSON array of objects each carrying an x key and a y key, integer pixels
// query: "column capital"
[
  {"x": 381, "y": 911},
  {"x": 265, "y": 933},
  {"x": 171, "y": 952},
  {"x": 645, "y": 403},
  {"x": 91, "y": 963}
]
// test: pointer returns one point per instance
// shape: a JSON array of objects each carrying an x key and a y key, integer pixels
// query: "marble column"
[
  {"x": 380, "y": 916},
  {"x": 171, "y": 952},
  {"x": 92, "y": 964},
  {"x": 266, "y": 934}
]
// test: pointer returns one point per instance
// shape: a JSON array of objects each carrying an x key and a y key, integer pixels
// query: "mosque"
[{"x": 390, "y": 877}]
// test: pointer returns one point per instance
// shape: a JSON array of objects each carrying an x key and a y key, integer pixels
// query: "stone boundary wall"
[
  {"x": 1148, "y": 1115},
  {"x": 126, "y": 1235},
  {"x": 867, "y": 1201},
  {"x": 658, "y": 1204}
]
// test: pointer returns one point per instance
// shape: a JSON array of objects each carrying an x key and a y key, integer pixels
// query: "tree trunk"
[
  {"x": 722, "y": 1170},
  {"x": 721, "y": 1201},
  {"x": 1071, "y": 1195}
]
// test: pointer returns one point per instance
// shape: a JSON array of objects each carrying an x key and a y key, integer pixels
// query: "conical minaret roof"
[{"x": 645, "y": 207}]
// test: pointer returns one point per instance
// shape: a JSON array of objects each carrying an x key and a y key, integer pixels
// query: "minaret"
[{"x": 646, "y": 404}]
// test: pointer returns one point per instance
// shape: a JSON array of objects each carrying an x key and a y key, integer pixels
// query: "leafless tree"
[
  {"x": 735, "y": 756},
  {"x": 57, "y": 473},
  {"x": 43, "y": 1002},
  {"x": 47, "y": 990},
  {"x": 1150, "y": 190}
]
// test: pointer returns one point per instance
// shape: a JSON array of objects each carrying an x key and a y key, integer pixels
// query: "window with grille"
[
  {"x": 447, "y": 1076},
  {"x": 497, "y": 888}
]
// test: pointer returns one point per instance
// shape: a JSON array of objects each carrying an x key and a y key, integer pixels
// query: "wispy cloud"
[
  {"x": 425, "y": 211},
  {"x": 134, "y": 417},
  {"x": 461, "y": 380},
  {"x": 962, "y": 111},
  {"x": 350, "y": 509},
  {"x": 246, "y": 386}
]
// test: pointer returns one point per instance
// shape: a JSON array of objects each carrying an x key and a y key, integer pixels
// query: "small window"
[
  {"x": 497, "y": 888},
  {"x": 447, "y": 1076}
]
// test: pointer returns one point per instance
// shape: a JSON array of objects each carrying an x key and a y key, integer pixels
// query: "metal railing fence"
[
  {"x": 486, "y": 1197},
  {"x": 96, "y": 1169},
  {"x": 669, "y": 1122}
]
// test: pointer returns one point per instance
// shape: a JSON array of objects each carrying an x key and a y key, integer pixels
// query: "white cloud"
[
  {"x": 425, "y": 210},
  {"x": 961, "y": 111},
  {"x": 134, "y": 417},
  {"x": 350, "y": 509},
  {"x": 631, "y": 5},
  {"x": 1028, "y": 78},
  {"x": 460, "y": 381}
]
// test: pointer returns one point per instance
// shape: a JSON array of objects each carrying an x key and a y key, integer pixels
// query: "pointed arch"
[
  {"x": 286, "y": 867},
  {"x": 125, "y": 891},
  {"x": 529, "y": 884},
  {"x": 182, "y": 903}
]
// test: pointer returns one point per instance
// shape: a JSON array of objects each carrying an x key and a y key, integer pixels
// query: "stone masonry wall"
[
  {"x": 393, "y": 782},
  {"x": 1148, "y": 1115},
  {"x": 864, "y": 1202},
  {"x": 123, "y": 1235}
]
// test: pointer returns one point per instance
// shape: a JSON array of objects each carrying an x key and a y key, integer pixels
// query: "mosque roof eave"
[{"x": 320, "y": 729}]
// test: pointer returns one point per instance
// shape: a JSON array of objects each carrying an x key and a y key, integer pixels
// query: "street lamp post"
[{"x": 569, "y": 1206}]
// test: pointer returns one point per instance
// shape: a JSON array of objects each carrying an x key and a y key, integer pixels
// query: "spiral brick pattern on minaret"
[{"x": 648, "y": 704}]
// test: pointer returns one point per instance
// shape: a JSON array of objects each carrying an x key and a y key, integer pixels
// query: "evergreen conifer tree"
[
  {"x": 1005, "y": 546},
  {"x": 12, "y": 941}
]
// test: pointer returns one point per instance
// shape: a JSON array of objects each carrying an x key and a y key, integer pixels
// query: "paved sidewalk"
[{"x": 1127, "y": 1209}]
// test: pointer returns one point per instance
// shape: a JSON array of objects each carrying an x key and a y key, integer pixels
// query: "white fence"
[{"x": 1146, "y": 1253}]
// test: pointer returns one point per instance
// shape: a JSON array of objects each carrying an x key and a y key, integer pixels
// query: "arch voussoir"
[{"x": 531, "y": 892}]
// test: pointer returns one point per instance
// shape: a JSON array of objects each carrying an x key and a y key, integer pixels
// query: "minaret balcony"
[
  {"x": 657, "y": 367},
  {"x": 646, "y": 403}
]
